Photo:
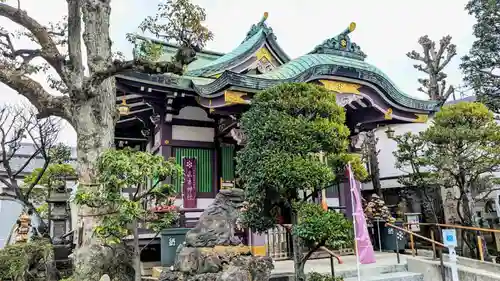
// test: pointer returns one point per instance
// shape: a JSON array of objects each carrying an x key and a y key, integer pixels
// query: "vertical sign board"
[
  {"x": 414, "y": 222},
  {"x": 450, "y": 241},
  {"x": 450, "y": 238},
  {"x": 189, "y": 184}
]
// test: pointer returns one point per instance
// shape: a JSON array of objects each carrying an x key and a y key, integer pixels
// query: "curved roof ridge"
[
  {"x": 236, "y": 53},
  {"x": 257, "y": 34},
  {"x": 172, "y": 45},
  {"x": 303, "y": 63}
]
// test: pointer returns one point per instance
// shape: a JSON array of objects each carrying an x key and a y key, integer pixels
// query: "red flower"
[{"x": 165, "y": 209}]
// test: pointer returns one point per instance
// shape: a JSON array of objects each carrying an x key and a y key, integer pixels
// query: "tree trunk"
[
  {"x": 137, "y": 252},
  {"x": 372, "y": 152},
  {"x": 94, "y": 122},
  {"x": 297, "y": 253},
  {"x": 467, "y": 238}
]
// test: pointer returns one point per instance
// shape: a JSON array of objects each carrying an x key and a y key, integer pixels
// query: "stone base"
[
  {"x": 157, "y": 270},
  {"x": 208, "y": 260},
  {"x": 220, "y": 263}
]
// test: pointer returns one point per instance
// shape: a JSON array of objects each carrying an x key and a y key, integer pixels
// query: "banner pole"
[{"x": 354, "y": 217}]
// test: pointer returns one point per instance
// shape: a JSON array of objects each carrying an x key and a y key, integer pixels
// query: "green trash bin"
[
  {"x": 391, "y": 239},
  {"x": 395, "y": 239},
  {"x": 171, "y": 239}
]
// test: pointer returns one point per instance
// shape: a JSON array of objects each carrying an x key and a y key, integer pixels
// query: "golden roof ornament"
[
  {"x": 341, "y": 45},
  {"x": 261, "y": 25}
]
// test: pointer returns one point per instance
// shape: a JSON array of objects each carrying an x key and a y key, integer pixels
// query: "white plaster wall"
[
  {"x": 332, "y": 202},
  {"x": 189, "y": 133},
  {"x": 192, "y": 113},
  {"x": 385, "y": 183},
  {"x": 387, "y": 146}
]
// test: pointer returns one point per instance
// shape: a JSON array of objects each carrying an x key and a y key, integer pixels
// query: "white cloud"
[{"x": 386, "y": 29}]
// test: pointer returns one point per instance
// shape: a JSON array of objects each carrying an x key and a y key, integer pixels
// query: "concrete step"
[
  {"x": 351, "y": 272},
  {"x": 393, "y": 276},
  {"x": 371, "y": 270},
  {"x": 475, "y": 270}
]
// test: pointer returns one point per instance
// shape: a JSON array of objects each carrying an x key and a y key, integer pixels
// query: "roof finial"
[
  {"x": 352, "y": 26},
  {"x": 341, "y": 45},
  {"x": 349, "y": 29},
  {"x": 261, "y": 25}
]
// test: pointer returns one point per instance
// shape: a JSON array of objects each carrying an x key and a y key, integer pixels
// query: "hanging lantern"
[
  {"x": 124, "y": 108},
  {"x": 389, "y": 132}
]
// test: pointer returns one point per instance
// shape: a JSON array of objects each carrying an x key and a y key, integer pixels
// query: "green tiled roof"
[
  {"x": 232, "y": 57},
  {"x": 297, "y": 66},
  {"x": 199, "y": 80}
]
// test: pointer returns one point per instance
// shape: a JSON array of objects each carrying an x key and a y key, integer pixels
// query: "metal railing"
[
  {"x": 480, "y": 242},
  {"x": 412, "y": 245}
]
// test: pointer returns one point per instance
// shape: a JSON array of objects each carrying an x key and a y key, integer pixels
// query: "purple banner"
[
  {"x": 364, "y": 248},
  {"x": 189, "y": 184}
]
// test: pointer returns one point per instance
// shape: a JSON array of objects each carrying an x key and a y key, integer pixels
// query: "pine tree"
[{"x": 481, "y": 65}]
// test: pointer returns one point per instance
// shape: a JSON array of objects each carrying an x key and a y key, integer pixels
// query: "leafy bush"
[
  {"x": 286, "y": 128},
  {"x": 18, "y": 259},
  {"x": 126, "y": 168},
  {"x": 317, "y": 226},
  {"x": 314, "y": 276}
]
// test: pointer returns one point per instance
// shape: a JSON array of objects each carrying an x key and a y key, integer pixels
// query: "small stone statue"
[
  {"x": 402, "y": 209},
  {"x": 218, "y": 222},
  {"x": 23, "y": 228}
]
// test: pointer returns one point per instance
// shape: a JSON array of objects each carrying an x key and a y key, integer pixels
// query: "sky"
[{"x": 386, "y": 30}]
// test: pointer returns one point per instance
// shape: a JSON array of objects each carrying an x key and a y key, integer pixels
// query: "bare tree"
[
  {"x": 432, "y": 61},
  {"x": 18, "y": 126},
  {"x": 88, "y": 102},
  {"x": 370, "y": 155}
]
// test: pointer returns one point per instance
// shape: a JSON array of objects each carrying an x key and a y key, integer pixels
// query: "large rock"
[
  {"x": 212, "y": 252},
  {"x": 233, "y": 268},
  {"x": 217, "y": 224},
  {"x": 235, "y": 273},
  {"x": 208, "y": 260}
]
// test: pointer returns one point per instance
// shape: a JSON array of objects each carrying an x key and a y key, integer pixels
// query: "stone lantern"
[{"x": 59, "y": 217}]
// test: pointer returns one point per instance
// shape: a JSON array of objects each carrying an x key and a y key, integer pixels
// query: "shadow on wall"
[{"x": 10, "y": 210}]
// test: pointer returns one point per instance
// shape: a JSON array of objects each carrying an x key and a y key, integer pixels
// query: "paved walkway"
[{"x": 349, "y": 263}]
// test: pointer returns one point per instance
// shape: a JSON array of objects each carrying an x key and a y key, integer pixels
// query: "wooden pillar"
[
  {"x": 217, "y": 164},
  {"x": 165, "y": 146},
  {"x": 216, "y": 160}
]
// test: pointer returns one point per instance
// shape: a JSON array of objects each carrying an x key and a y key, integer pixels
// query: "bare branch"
[
  {"x": 451, "y": 51},
  {"x": 138, "y": 65},
  {"x": 434, "y": 61},
  {"x": 10, "y": 142},
  {"x": 489, "y": 73},
  {"x": 19, "y": 125},
  {"x": 38, "y": 178},
  {"x": 45, "y": 103},
  {"x": 48, "y": 51}
]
